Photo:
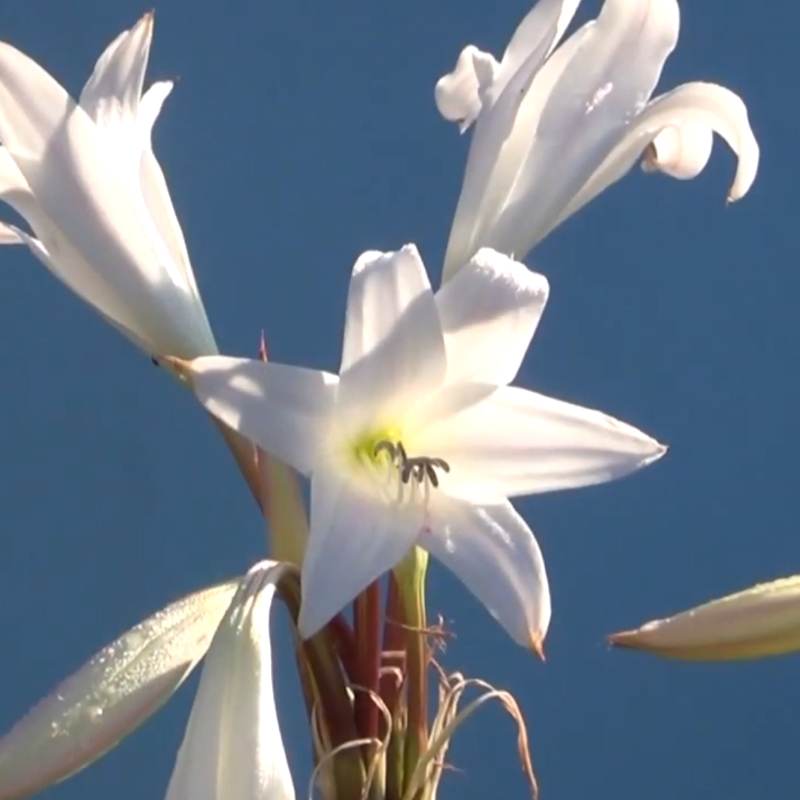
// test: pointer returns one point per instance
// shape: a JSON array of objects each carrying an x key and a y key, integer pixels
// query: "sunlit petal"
[
  {"x": 110, "y": 695},
  {"x": 356, "y": 535},
  {"x": 409, "y": 361},
  {"x": 382, "y": 287},
  {"x": 688, "y": 108},
  {"x": 284, "y": 410},
  {"x": 232, "y": 748},
  {"x": 493, "y": 552},
  {"x": 761, "y": 621},
  {"x": 489, "y": 313},
  {"x": 518, "y": 442},
  {"x": 156, "y": 195},
  {"x": 536, "y": 36},
  {"x": 607, "y": 80}
]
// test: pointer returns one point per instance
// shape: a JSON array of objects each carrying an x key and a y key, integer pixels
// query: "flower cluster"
[{"x": 416, "y": 447}]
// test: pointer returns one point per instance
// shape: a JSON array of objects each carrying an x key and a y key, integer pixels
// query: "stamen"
[{"x": 421, "y": 468}]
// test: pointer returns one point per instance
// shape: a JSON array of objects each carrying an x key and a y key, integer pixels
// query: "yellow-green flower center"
[{"x": 365, "y": 448}]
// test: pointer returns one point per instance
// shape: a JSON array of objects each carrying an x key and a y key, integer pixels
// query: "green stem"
[{"x": 410, "y": 575}]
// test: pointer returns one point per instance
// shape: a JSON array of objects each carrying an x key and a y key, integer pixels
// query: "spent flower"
[{"x": 557, "y": 123}]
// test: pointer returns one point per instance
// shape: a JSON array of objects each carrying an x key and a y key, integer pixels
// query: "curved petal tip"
[{"x": 537, "y": 644}]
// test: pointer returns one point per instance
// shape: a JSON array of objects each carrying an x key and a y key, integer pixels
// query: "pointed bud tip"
[
  {"x": 536, "y": 644},
  {"x": 625, "y": 639}
]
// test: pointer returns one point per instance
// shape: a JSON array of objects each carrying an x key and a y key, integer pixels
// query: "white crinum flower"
[
  {"x": 419, "y": 440},
  {"x": 556, "y": 125},
  {"x": 232, "y": 749},
  {"x": 86, "y": 180}
]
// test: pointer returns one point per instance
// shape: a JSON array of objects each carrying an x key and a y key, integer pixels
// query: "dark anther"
[
  {"x": 431, "y": 473},
  {"x": 420, "y": 468}
]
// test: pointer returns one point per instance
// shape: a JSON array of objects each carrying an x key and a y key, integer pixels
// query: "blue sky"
[{"x": 300, "y": 135}]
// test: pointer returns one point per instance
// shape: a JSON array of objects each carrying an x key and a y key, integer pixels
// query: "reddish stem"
[
  {"x": 345, "y": 642},
  {"x": 394, "y": 645},
  {"x": 367, "y": 628}
]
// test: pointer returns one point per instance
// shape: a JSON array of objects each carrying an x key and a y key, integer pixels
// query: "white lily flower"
[
  {"x": 419, "y": 440},
  {"x": 232, "y": 749},
  {"x": 555, "y": 126},
  {"x": 86, "y": 180}
]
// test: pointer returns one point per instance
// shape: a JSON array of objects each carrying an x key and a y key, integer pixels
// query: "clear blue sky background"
[{"x": 299, "y": 135}]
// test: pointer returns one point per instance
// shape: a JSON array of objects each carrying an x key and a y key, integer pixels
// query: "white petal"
[
  {"x": 283, "y": 409},
  {"x": 489, "y": 313},
  {"x": 113, "y": 91},
  {"x": 382, "y": 287},
  {"x": 502, "y": 134},
  {"x": 407, "y": 361},
  {"x": 79, "y": 188},
  {"x": 110, "y": 695},
  {"x": 607, "y": 80},
  {"x": 9, "y": 234},
  {"x": 459, "y": 94},
  {"x": 70, "y": 267},
  {"x": 689, "y": 107},
  {"x": 156, "y": 195},
  {"x": 518, "y": 442},
  {"x": 232, "y": 748},
  {"x": 356, "y": 535},
  {"x": 493, "y": 552},
  {"x": 680, "y": 151},
  {"x": 537, "y": 35},
  {"x": 113, "y": 98}
]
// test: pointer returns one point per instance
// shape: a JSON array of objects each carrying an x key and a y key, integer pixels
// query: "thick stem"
[
  {"x": 394, "y": 645},
  {"x": 367, "y": 628},
  {"x": 411, "y": 582}
]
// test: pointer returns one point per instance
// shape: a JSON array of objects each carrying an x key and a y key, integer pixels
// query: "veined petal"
[
  {"x": 519, "y": 442},
  {"x": 232, "y": 748},
  {"x": 79, "y": 188},
  {"x": 493, "y": 552},
  {"x": 489, "y": 312},
  {"x": 356, "y": 535},
  {"x": 407, "y": 361},
  {"x": 687, "y": 108},
  {"x": 605, "y": 84},
  {"x": 110, "y": 695},
  {"x": 284, "y": 410},
  {"x": 382, "y": 287},
  {"x": 757, "y": 622}
]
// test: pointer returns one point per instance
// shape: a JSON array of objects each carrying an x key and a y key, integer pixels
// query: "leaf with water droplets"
[{"x": 110, "y": 695}]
